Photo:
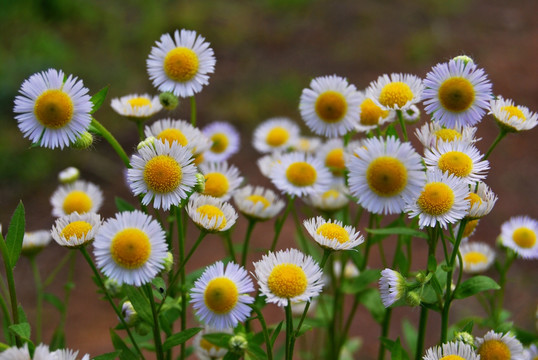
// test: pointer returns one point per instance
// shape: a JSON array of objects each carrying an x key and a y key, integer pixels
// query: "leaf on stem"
[
  {"x": 474, "y": 286},
  {"x": 15, "y": 235},
  {"x": 182, "y": 337},
  {"x": 98, "y": 99}
]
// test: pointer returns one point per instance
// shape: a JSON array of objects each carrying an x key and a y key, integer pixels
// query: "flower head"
[
  {"x": 477, "y": 257},
  {"x": 332, "y": 234},
  {"x": 519, "y": 234},
  {"x": 76, "y": 230},
  {"x": 221, "y": 179},
  {"x": 372, "y": 115},
  {"x": 80, "y": 196},
  {"x": 69, "y": 175},
  {"x": 335, "y": 198},
  {"x": 211, "y": 214},
  {"x": 137, "y": 106},
  {"x": 35, "y": 241},
  {"x": 499, "y": 346},
  {"x": 205, "y": 350},
  {"x": 452, "y": 351},
  {"x": 275, "y": 134},
  {"x": 431, "y": 134},
  {"x": 225, "y": 141},
  {"x": 392, "y": 286},
  {"x": 333, "y": 154},
  {"x": 511, "y": 117},
  {"x": 257, "y": 202},
  {"x": 482, "y": 201},
  {"x": 395, "y": 92}
]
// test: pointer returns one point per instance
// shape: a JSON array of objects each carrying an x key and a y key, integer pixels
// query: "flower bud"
[
  {"x": 142, "y": 329},
  {"x": 238, "y": 344},
  {"x": 146, "y": 142},
  {"x": 168, "y": 262},
  {"x": 200, "y": 183},
  {"x": 412, "y": 299},
  {"x": 69, "y": 175},
  {"x": 464, "y": 337},
  {"x": 168, "y": 100},
  {"x": 128, "y": 313},
  {"x": 112, "y": 287},
  {"x": 84, "y": 141},
  {"x": 466, "y": 59}
]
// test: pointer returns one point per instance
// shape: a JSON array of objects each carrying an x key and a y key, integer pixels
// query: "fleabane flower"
[
  {"x": 481, "y": 200},
  {"x": 80, "y": 196},
  {"x": 53, "y": 110},
  {"x": 392, "y": 287},
  {"x": 332, "y": 234},
  {"x": 372, "y": 115},
  {"x": 41, "y": 352},
  {"x": 257, "y": 202},
  {"x": 442, "y": 200},
  {"x": 477, "y": 257},
  {"x": 333, "y": 154},
  {"x": 162, "y": 173},
  {"x": 511, "y": 117},
  {"x": 205, "y": 350},
  {"x": 76, "y": 230},
  {"x": 130, "y": 248},
  {"x": 220, "y": 297},
  {"x": 451, "y": 351},
  {"x": 499, "y": 346},
  {"x": 221, "y": 179},
  {"x": 519, "y": 234},
  {"x": 211, "y": 214},
  {"x": 35, "y": 241},
  {"x": 136, "y": 106},
  {"x": 457, "y": 93},
  {"x": 432, "y": 133},
  {"x": 395, "y": 92},
  {"x": 307, "y": 144},
  {"x": 330, "y": 106},
  {"x": 335, "y": 198},
  {"x": 275, "y": 134},
  {"x": 383, "y": 173},
  {"x": 181, "y": 64},
  {"x": 225, "y": 141},
  {"x": 288, "y": 276},
  {"x": 267, "y": 162}
]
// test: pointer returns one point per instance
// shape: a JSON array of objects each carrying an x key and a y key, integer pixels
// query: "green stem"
[
  {"x": 140, "y": 128},
  {"x": 156, "y": 328},
  {"x": 70, "y": 255},
  {"x": 502, "y": 134},
  {"x": 67, "y": 291},
  {"x": 264, "y": 330},
  {"x": 279, "y": 223},
  {"x": 385, "y": 326},
  {"x": 250, "y": 227},
  {"x": 229, "y": 244},
  {"x": 5, "y": 320},
  {"x": 402, "y": 124},
  {"x": 193, "y": 111},
  {"x": 510, "y": 257},
  {"x": 421, "y": 332},
  {"x": 289, "y": 331},
  {"x": 39, "y": 300},
  {"x": 181, "y": 269},
  {"x": 11, "y": 285},
  {"x": 112, "y": 141}
]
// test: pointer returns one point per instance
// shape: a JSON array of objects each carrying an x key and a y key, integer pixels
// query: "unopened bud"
[
  {"x": 112, "y": 287},
  {"x": 464, "y": 337},
  {"x": 146, "y": 142},
  {"x": 412, "y": 299},
  {"x": 168, "y": 262},
  {"x": 421, "y": 277},
  {"x": 129, "y": 314},
  {"x": 84, "y": 141},
  {"x": 238, "y": 344},
  {"x": 466, "y": 59},
  {"x": 69, "y": 175},
  {"x": 411, "y": 115},
  {"x": 142, "y": 328},
  {"x": 200, "y": 183},
  {"x": 168, "y": 100}
]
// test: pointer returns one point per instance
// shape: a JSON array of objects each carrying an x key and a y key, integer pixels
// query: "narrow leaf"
[
  {"x": 140, "y": 304},
  {"x": 54, "y": 301},
  {"x": 22, "y": 330},
  {"x": 122, "y": 205},
  {"x": 398, "y": 231},
  {"x": 98, "y": 99},
  {"x": 120, "y": 346},
  {"x": 276, "y": 332},
  {"x": 15, "y": 234},
  {"x": 256, "y": 352},
  {"x": 108, "y": 356},
  {"x": 475, "y": 285},
  {"x": 468, "y": 327},
  {"x": 219, "y": 339},
  {"x": 180, "y": 338}
]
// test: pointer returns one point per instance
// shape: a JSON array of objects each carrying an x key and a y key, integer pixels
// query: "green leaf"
[
  {"x": 15, "y": 234},
  {"x": 391, "y": 131},
  {"x": 410, "y": 335},
  {"x": 372, "y": 301},
  {"x": 468, "y": 327},
  {"x": 219, "y": 339},
  {"x": 122, "y": 205},
  {"x": 54, "y": 301},
  {"x": 98, "y": 99},
  {"x": 120, "y": 346},
  {"x": 398, "y": 231},
  {"x": 140, "y": 303},
  {"x": 231, "y": 356},
  {"x": 360, "y": 282},
  {"x": 108, "y": 356},
  {"x": 22, "y": 330},
  {"x": 180, "y": 338},
  {"x": 256, "y": 351},
  {"x": 276, "y": 332},
  {"x": 475, "y": 285},
  {"x": 396, "y": 350},
  {"x": 58, "y": 339},
  {"x": 432, "y": 263},
  {"x": 526, "y": 337}
]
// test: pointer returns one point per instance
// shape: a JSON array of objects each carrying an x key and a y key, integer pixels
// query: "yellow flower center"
[
  {"x": 210, "y": 212},
  {"x": 304, "y": 144},
  {"x": 79, "y": 229},
  {"x": 494, "y": 350},
  {"x": 216, "y": 184},
  {"x": 181, "y": 64},
  {"x": 386, "y": 176},
  {"x": 524, "y": 237},
  {"x": 259, "y": 199},
  {"x": 53, "y": 109},
  {"x": 207, "y": 346},
  {"x": 220, "y": 143},
  {"x": 173, "y": 135},
  {"x": 130, "y": 248},
  {"x": 301, "y": 174},
  {"x": 474, "y": 199},
  {"x": 469, "y": 228},
  {"x": 513, "y": 111},
  {"x": 474, "y": 257},
  {"x": 447, "y": 134},
  {"x": 456, "y": 94},
  {"x": 77, "y": 201},
  {"x": 395, "y": 94},
  {"x": 277, "y": 136},
  {"x": 198, "y": 159},
  {"x": 456, "y": 162},
  {"x": 333, "y": 194},
  {"x": 452, "y": 357},
  {"x": 335, "y": 161},
  {"x": 162, "y": 174},
  {"x": 437, "y": 198},
  {"x": 333, "y": 232},
  {"x": 139, "y": 102},
  {"x": 371, "y": 113},
  {"x": 287, "y": 281},
  {"x": 331, "y": 106},
  {"x": 221, "y": 295}
]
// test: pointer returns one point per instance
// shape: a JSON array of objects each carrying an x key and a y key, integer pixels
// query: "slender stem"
[
  {"x": 70, "y": 255},
  {"x": 498, "y": 305},
  {"x": 39, "y": 299},
  {"x": 385, "y": 326},
  {"x": 181, "y": 269},
  {"x": 264, "y": 330},
  {"x": 67, "y": 290},
  {"x": 112, "y": 141},
  {"x": 421, "y": 332},
  {"x": 5, "y": 320},
  {"x": 402, "y": 124},
  {"x": 156, "y": 328},
  {"x": 11, "y": 286},
  {"x": 279, "y": 223},
  {"x": 349, "y": 320},
  {"x": 299, "y": 227},
  {"x": 502, "y": 134},
  {"x": 140, "y": 128},
  {"x": 193, "y": 111},
  {"x": 229, "y": 244},
  {"x": 289, "y": 331},
  {"x": 382, "y": 254},
  {"x": 250, "y": 227}
]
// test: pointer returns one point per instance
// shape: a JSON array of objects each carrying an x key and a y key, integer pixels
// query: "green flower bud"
[
  {"x": 412, "y": 298},
  {"x": 112, "y": 287},
  {"x": 84, "y": 141},
  {"x": 69, "y": 175},
  {"x": 168, "y": 100},
  {"x": 466, "y": 59},
  {"x": 168, "y": 262},
  {"x": 238, "y": 344},
  {"x": 129, "y": 314},
  {"x": 146, "y": 142},
  {"x": 200, "y": 183},
  {"x": 142, "y": 329},
  {"x": 464, "y": 337}
]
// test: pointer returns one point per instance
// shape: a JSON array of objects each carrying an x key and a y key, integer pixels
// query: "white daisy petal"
[
  {"x": 477, "y": 257},
  {"x": 257, "y": 202},
  {"x": 136, "y": 106},
  {"x": 332, "y": 234},
  {"x": 499, "y": 346},
  {"x": 211, "y": 214},
  {"x": 275, "y": 134},
  {"x": 221, "y": 179},
  {"x": 80, "y": 196},
  {"x": 225, "y": 141},
  {"x": 395, "y": 92},
  {"x": 511, "y": 117},
  {"x": 456, "y": 349},
  {"x": 520, "y": 234},
  {"x": 75, "y": 230}
]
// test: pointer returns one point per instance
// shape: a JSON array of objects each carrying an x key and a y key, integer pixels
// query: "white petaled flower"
[
  {"x": 392, "y": 287},
  {"x": 482, "y": 201},
  {"x": 225, "y": 141},
  {"x": 162, "y": 173},
  {"x": 75, "y": 230},
  {"x": 477, "y": 257},
  {"x": 432, "y": 133},
  {"x": 457, "y": 93},
  {"x": 395, "y": 92},
  {"x": 257, "y": 202},
  {"x": 531, "y": 353},
  {"x": 275, "y": 134},
  {"x": 181, "y": 64},
  {"x": 221, "y": 179},
  {"x": 442, "y": 200},
  {"x": 372, "y": 115},
  {"x": 205, "y": 350},
  {"x": 53, "y": 110},
  {"x": 69, "y": 175},
  {"x": 41, "y": 352},
  {"x": 411, "y": 115},
  {"x": 332, "y": 234},
  {"x": 131, "y": 248},
  {"x": 65, "y": 354},
  {"x": 451, "y": 351},
  {"x": 128, "y": 313},
  {"x": 220, "y": 297},
  {"x": 350, "y": 270},
  {"x": 330, "y": 106},
  {"x": 136, "y": 106},
  {"x": 335, "y": 198},
  {"x": 384, "y": 173},
  {"x": 211, "y": 214},
  {"x": 299, "y": 174},
  {"x": 288, "y": 276},
  {"x": 266, "y": 163},
  {"x": 499, "y": 346},
  {"x": 511, "y": 117},
  {"x": 458, "y": 158},
  {"x": 35, "y": 241},
  {"x": 307, "y": 144},
  {"x": 334, "y": 155},
  {"x": 80, "y": 196},
  {"x": 519, "y": 234}
]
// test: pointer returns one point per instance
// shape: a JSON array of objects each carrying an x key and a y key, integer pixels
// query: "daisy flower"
[
  {"x": 130, "y": 248},
  {"x": 335, "y": 198},
  {"x": 457, "y": 93},
  {"x": 75, "y": 230},
  {"x": 384, "y": 173},
  {"x": 333, "y": 154},
  {"x": 41, "y": 352},
  {"x": 221, "y": 179},
  {"x": 392, "y": 287},
  {"x": 267, "y": 162},
  {"x": 482, "y": 201},
  {"x": 457, "y": 158},
  {"x": 68, "y": 175},
  {"x": 205, "y": 350},
  {"x": 329, "y": 106},
  {"x": 137, "y": 106},
  {"x": 225, "y": 141},
  {"x": 219, "y": 296},
  {"x": 52, "y": 112},
  {"x": 511, "y": 117},
  {"x": 411, "y": 115},
  {"x": 498, "y": 346},
  {"x": 288, "y": 276},
  {"x": 211, "y": 214},
  {"x": 350, "y": 269},
  {"x": 395, "y": 92},
  {"x": 531, "y": 352},
  {"x": 332, "y": 234},
  {"x": 275, "y": 134},
  {"x": 442, "y": 200},
  {"x": 307, "y": 144},
  {"x": 371, "y": 114},
  {"x": 35, "y": 241},
  {"x": 80, "y": 196},
  {"x": 477, "y": 257},
  {"x": 519, "y": 234},
  {"x": 162, "y": 173},
  {"x": 431, "y": 134},
  {"x": 257, "y": 202},
  {"x": 299, "y": 174},
  {"x": 452, "y": 350},
  {"x": 181, "y": 64}
]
